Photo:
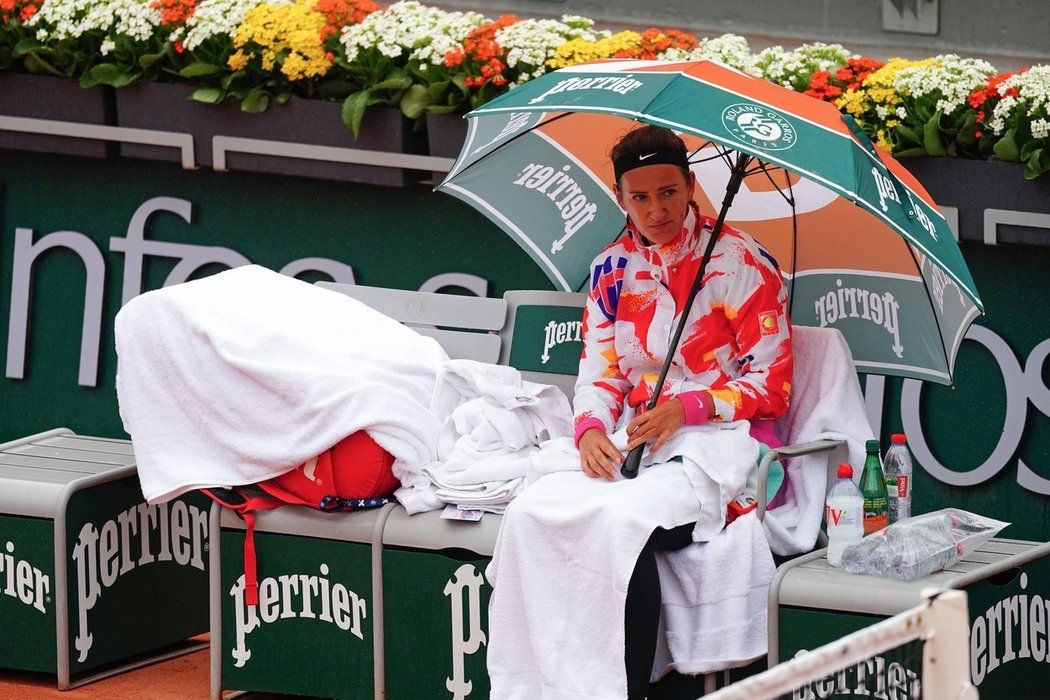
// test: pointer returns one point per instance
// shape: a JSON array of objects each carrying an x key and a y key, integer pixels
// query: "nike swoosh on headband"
[{"x": 640, "y": 157}]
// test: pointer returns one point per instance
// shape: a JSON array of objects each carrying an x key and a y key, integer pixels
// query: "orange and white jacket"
[{"x": 737, "y": 343}]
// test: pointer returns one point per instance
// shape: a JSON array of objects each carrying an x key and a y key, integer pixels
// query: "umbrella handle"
[{"x": 633, "y": 461}]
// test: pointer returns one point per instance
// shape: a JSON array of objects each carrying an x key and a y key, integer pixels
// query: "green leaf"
[
  {"x": 148, "y": 59},
  {"x": 354, "y": 110},
  {"x": 35, "y": 64},
  {"x": 211, "y": 96},
  {"x": 282, "y": 98},
  {"x": 910, "y": 153},
  {"x": 199, "y": 69},
  {"x": 256, "y": 101},
  {"x": 396, "y": 79},
  {"x": 107, "y": 73},
  {"x": 29, "y": 45},
  {"x": 1006, "y": 147},
  {"x": 460, "y": 81},
  {"x": 931, "y": 136},
  {"x": 415, "y": 101},
  {"x": 443, "y": 109},
  {"x": 87, "y": 80},
  {"x": 968, "y": 131},
  {"x": 435, "y": 91},
  {"x": 908, "y": 134}
]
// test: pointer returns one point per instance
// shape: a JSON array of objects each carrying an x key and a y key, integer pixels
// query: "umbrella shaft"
[
  {"x": 633, "y": 460},
  {"x": 732, "y": 187}
]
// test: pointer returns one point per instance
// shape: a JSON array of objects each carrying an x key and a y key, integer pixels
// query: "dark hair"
[{"x": 649, "y": 137}]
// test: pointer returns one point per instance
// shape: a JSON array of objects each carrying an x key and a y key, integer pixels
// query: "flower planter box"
[
  {"x": 973, "y": 186},
  {"x": 167, "y": 107},
  {"x": 445, "y": 136},
  {"x": 61, "y": 99}
]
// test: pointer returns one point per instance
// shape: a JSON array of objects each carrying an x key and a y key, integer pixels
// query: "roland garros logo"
[{"x": 759, "y": 126}]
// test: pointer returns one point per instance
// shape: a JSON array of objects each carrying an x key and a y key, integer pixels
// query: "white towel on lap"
[
  {"x": 241, "y": 376},
  {"x": 568, "y": 546}
]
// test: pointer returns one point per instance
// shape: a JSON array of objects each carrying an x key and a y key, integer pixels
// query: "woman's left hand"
[{"x": 658, "y": 424}]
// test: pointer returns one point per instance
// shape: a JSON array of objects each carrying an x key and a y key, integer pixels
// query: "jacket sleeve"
[
  {"x": 756, "y": 306},
  {"x": 600, "y": 387}
]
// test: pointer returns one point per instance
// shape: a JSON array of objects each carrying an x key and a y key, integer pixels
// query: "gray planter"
[
  {"x": 167, "y": 107},
  {"x": 974, "y": 186},
  {"x": 445, "y": 136},
  {"x": 59, "y": 99}
]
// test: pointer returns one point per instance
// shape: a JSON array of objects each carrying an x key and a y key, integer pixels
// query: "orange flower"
[
  {"x": 174, "y": 11},
  {"x": 481, "y": 55},
  {"x": 341, "y": 13}
]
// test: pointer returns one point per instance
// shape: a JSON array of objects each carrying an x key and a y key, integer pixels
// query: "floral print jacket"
[{"x": 737, "y": 343}]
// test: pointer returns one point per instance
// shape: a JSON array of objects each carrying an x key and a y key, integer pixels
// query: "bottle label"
[
  {"x": 839, "y": 516},
  {"x": 902, "y": 486},
  {"x": 876, "y": 514}
]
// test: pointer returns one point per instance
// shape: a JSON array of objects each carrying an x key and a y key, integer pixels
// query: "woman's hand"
[
  {"x": 598, "y": 456},
  {"x": 658, "y": 424}
]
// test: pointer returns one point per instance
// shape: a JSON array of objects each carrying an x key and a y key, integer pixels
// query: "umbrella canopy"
[{"x": 862, "y": 245}]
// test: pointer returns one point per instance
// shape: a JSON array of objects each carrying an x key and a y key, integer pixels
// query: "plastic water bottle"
[
  {"x": 873, "y": 486},
  {"x": 844, "y": 512},
  {"x": 898, "y": 467}
]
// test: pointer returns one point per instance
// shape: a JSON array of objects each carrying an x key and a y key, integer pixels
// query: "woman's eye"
[
  {"x": 639, "y": 197},
  {"x": 669, "y": 193}
]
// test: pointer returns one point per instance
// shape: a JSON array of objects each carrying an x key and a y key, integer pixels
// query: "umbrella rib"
[
  {"x": 937, "y": 321},
  {"x": 790, "y": 200},
  {"x": 794, "y": 243}
]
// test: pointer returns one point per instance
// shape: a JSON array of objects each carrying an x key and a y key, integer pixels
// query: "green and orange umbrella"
[{"x": 862, "y": 245}]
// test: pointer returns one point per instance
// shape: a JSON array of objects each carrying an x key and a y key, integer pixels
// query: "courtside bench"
[
  {"x": 1007, "y": 584},
  {"x": 93, "y": 581},
  {"x": 415, "y": 583}
]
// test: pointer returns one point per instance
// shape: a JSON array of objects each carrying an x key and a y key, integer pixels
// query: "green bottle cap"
[{"x": 872, "y": 446}]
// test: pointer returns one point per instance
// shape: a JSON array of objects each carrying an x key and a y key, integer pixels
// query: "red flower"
[
  {"x": 179, "y": 48},
  {"x": 481, "y": 56},
  {"x": 173, "y": 12},
  {"x": 341, "y": 13}
]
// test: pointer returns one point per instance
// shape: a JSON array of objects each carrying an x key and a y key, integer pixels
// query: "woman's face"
[{"x": 656, "y": 198}]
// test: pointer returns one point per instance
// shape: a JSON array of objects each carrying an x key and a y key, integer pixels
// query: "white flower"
[
  {"x": 1033, "y": 99},
  {"x": 213, "y": 18},
  {"x": 71, "y": 19},
  {"x": 730, "y": 49},
  {"x": 1040, "y": 128},
  {"x": 411, "y": 31},
  {"x": 901, "y": 112},
  {"x": 530, "y": 43},
  {"x": 794, "y": 68},
  {"x": 947, "y": 79},
  {"x": 107, "y": 46}
]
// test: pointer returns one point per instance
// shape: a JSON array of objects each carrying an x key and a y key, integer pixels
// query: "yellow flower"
[
  {"x": 284, "y": 36},
  {"x": 238, "y": 60},
  {"x": 580, "y": 50}
]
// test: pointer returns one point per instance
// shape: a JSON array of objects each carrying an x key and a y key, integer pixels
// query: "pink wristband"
[
  {"x": 695, "y": 404},
  {"x": 585, "y": 425}
]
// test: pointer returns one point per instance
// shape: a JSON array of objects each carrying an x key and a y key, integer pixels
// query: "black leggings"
[{"x": 642, "y": 611}]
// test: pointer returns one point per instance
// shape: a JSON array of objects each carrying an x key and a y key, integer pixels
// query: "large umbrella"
[{"x": 861, "y": 244}]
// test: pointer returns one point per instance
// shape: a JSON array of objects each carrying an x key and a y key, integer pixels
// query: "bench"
[
  {"x": 93, "y": 581},
  {"x": 399, "y": 600}
]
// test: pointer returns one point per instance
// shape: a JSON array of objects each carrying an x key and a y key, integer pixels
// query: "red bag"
[{"x": 354, "y": 473}]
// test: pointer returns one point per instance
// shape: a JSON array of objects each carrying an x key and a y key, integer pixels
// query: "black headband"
[{"x": 649, "y": 156}]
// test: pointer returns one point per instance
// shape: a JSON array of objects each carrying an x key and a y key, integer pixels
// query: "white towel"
[
  {"x": 714, "y": 601},
  {"x": 826, "y": 403},
  {"x": 494, "y": 421},
  {"x": 241, "y": 376},
  {"x": 568, "y": 546}
]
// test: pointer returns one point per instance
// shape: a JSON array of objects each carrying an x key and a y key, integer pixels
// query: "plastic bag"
[{"x": 918, "y": 546}]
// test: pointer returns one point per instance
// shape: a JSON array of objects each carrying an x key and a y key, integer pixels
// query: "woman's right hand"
[{"x": 598, "y": 455}]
